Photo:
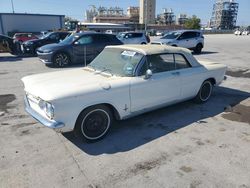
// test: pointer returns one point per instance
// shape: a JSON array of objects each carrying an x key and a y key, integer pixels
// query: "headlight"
[{"x": 47, "y": 107}]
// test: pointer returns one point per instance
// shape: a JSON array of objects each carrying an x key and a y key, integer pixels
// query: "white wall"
[{"x": 30, "y": 23}]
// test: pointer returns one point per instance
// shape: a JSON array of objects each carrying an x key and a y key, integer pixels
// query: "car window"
[
  {"x": 193, "y": 34},
  {"x": 63, "y": 35},
  {"x": 101, "y": 39},
  {"x": 54, "y": 36},
  {"x": 181, "y": 61},
  {"x": 136, "y": 35},
  {"x": 85, "y": 40},
  {"x": 161, "y": 63},
  {"x": 188, "y": 35}
]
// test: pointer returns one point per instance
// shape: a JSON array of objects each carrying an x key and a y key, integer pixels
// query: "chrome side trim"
[{"x": 48, "y": 123}]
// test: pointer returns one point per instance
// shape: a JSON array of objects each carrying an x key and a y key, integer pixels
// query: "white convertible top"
[{"x": 151, "y": 49}]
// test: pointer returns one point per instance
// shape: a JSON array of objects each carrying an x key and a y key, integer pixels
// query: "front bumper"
[
  {"x": 57, "y": 126},
  {"x": 27, "y": 49},
  {"x": 45, "y": 57}
]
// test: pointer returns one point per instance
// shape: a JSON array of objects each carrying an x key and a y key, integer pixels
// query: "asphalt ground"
[{"x": 184, "y": 145}]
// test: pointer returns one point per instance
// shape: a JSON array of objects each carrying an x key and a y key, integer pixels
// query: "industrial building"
[
  {"x": 11, "y": 23},
  {"x": 103, "y": 27},
  {"x": 224, "y": 14},
  {"x": 166, "y": 18},
  {"x": 147, "y": 11},
  {"x": 181, "y": 19},
  {"x": 112, "y": 15}
]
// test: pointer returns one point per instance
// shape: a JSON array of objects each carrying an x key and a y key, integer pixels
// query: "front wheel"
[
  {"x": 204, "y": 92},
  {"x": 61, "y": 60},
  {"x": 94, "y": 123}
]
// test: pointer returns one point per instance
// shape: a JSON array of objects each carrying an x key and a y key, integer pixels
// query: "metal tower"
[{"x": 224, "y": 14}]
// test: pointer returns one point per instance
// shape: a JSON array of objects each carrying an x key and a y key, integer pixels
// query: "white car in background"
[
  {"x": 121, "y": 82},
  {"x": 191, "y": 39},
  {"x": 133, "y": 37},
  {"x": 238, "y": 32},
  {"x": 246, "y": 32}
]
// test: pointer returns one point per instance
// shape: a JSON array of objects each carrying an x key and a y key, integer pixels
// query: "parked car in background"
[
  {"x": 191, "y": 39},
  {"x": 31, "y": 46},
  {"x": 121, "y": 82},
  {"x": 77, "y": 48},
  {"x": 8, "y": 44},
  {"x": 246, "y": 32},
  {"x": 22, "y": 37},
  {"x": 238, "y": 32},
  {"x": 133, "y": 37},
  {"x": 159, "y": 33}
]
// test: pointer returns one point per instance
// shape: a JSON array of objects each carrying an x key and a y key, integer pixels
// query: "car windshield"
[
  {"x": 70, "y": 39},
  {"x": 171, "y": 35},
  {"x": 118, "y": 62}
]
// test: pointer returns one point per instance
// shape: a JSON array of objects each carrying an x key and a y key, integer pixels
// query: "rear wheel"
[
  {"x": 61, "y": 60},
  {"x": 198, "y": 48},
  {"x": 94, "y": 122},
  {"x": 204, "y": 92}
]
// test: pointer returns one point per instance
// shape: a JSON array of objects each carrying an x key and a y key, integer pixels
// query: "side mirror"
[{"x": 148, "y": 74}]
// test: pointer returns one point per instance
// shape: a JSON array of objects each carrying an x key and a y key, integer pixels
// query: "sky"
[{"x": 76, "y": 8}]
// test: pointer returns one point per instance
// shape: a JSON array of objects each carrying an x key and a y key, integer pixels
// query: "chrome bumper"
[{"x": 48, "y": 123}]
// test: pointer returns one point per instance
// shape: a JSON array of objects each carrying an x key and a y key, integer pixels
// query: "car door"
[
  {"x": 161, "y": 88},
  {"x": 83, "y": 49},
  {"x": 100, "y": 41},
  {"x": 137, "y": 38},
  {"x": 187, "y": 39},
  {"x": 191, "y": 78},
  {"x": 127, "y": 39}
]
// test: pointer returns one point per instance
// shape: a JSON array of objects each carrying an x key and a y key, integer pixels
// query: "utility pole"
[
  {"x": 12, "y": 6},
  {"x": 146, "y": 14}
]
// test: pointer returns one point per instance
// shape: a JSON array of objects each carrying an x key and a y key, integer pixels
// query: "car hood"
[
  {"x": 51, "y": 47},
  {"x": 67, "y": 83},
  {"x": 34, "y": 40}
]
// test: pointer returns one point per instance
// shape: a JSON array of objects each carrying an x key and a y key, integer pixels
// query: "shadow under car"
[{"x": 129, "y": 134}]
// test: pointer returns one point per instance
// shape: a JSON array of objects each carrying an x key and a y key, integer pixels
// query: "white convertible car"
[{"x": 121, "y": 82}]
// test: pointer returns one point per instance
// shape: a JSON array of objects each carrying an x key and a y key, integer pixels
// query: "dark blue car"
[{"x": 78, "y": 48}]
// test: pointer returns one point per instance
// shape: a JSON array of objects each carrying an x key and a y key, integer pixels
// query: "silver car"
[
  {"x": 191, "y": 39},
  {"x": 133, "y": 37}
]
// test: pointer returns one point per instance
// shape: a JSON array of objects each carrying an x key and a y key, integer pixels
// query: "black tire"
[
  {"x": 94, "y": 123},
  {"x": 143, "y": 43},
  {"x": 198, "y": 48},
  {"x": 174, "y": 45},
  {"x": 204, "y": 92},
  {"x": 61, "y": 59}
]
